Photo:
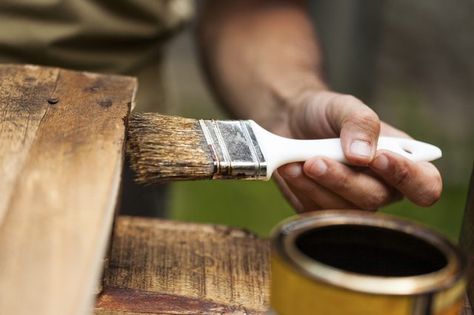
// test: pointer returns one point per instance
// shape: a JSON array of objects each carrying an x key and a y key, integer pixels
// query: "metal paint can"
[{"x": 353, "y": 262}]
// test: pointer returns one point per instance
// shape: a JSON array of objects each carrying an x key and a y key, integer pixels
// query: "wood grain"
[
  {"x": 165, "y": 267},
  {"x": 23, "y": 95},
  {"x": 61, "y": 151}
]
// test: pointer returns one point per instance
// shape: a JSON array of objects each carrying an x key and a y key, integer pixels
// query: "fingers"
[
  {"x": 317, "y": 196},
  {"x": 307, "y": 204},
  {"x": 327, "y": 192},
  {"x": 322, "y": 183},
  {"x": 359, "y": 128},
  {"x": 419, "y": 182},
  {"x": 359, "y": 188},
  {"x": 287, "y": 193}
]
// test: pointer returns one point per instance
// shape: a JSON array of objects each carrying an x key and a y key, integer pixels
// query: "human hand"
[{"x": 373, "y": 180}]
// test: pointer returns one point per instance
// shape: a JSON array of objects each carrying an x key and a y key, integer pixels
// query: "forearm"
[{"x": 258, "y": 56}]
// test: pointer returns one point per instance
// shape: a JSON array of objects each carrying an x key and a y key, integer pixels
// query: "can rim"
[{"x": 285, "y": 234}]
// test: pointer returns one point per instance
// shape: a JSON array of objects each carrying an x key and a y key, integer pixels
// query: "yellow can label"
[{"x": 292, "y": 293}]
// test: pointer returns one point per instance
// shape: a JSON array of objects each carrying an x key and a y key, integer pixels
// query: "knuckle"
[
  {"x": 347, "y": 99},
  {"x": 343, "y": 183},
  {"x": 366, "y": 121},
  {"x": 401, "y": 176},
  {"x": 374, "y": 201},
  {"x": 367, "y": 117}
]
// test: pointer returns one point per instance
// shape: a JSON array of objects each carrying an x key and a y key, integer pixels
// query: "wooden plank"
[
  {"x": 62, "y": 149},
  {"x": 165, "y": 267},
  {"x": 20, "y": 87}
]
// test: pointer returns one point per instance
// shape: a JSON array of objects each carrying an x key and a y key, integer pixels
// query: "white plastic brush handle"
[{"x": 280, "y": 150}]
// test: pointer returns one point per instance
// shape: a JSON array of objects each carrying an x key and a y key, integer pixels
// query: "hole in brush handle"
[{"x": 411, "y": 149}]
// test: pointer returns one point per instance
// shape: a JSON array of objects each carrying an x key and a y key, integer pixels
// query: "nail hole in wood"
[{"x": 53, "y": 100}]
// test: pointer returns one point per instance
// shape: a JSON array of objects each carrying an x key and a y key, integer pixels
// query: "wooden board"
[
  {"x": 61, "y": 152},
  {"x": 165, "y": 267}
]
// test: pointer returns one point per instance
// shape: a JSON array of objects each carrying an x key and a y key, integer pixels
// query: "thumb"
[{"x": 359, "y": 128}]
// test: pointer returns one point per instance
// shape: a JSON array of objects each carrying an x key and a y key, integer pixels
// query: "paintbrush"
[{"x": 168, "y": 148}]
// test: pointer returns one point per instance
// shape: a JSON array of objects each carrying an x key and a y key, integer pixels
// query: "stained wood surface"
[
  {"x": 61, "y": 150},
  {"x": 166, "y": 267}
]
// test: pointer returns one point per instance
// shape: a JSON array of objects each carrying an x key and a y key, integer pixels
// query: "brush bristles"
[{"x": 167, "y": 148}]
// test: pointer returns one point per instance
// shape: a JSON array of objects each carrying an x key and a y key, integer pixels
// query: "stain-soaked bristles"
[{"x": 167, "y": 148}]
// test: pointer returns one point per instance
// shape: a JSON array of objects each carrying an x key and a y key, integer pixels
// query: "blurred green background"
[
  {"x": 258, "y": 206},
  {"x": 411, "y": 61}
]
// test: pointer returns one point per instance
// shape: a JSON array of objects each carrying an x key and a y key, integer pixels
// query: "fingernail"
[
  {"x": 380, "y": 162},
  {"x": 361, "y": 148},
  {"x": 318, "y": 168},
  {"x": 292, "y": 170}
]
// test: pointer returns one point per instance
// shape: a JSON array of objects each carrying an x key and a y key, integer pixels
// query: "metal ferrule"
[{"x": 235, "y": 149}]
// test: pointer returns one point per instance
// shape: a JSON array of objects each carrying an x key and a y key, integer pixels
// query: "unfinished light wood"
[
  {"x": 61, "y": 151},
  {"x": 165, "y": 267}
]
